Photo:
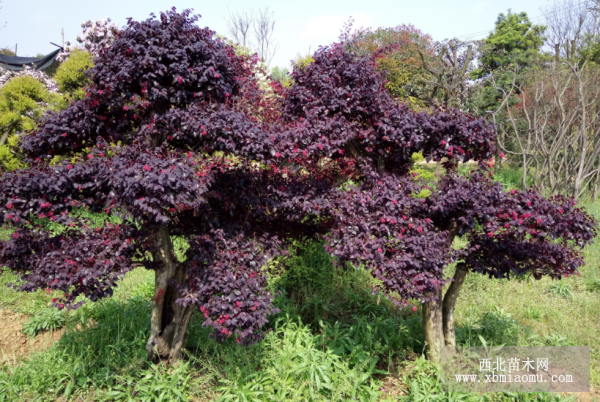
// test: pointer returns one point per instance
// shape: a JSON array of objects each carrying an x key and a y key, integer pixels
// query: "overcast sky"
[{"x": 301, "y": 25}]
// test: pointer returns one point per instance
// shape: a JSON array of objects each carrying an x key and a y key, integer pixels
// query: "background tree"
[
  {"x": 514, "y": 41},
  {"x": 254, "y": 30},
  {"x": 554, "y": 127},
  {"x": 449, "y": 70},
  {"x": 397, "y": 53},
  {"x": 570, "y": 27},
  {"x": 208, "y": 156}
]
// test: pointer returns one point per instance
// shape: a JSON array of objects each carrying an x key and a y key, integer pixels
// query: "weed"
[
  {"x": 561, "y": 288},
  {"x": 533, "y": 313},
  {"x": 48, "y": 319}
]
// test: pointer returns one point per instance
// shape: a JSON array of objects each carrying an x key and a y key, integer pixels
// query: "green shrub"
[
  {"x": 23, "y": 100},
  {"x": 70, "y": 75}
]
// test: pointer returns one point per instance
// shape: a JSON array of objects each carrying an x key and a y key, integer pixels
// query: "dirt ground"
[{"x": 14, "y": 345}]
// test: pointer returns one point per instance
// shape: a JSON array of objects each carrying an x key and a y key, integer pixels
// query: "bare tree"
[
  {"x": 449, "y": 71},
  {"x": 555, "y": 128},
  {"x": 264, "y": 26},
  {"x": 5, "y": 22},
  {"x": 260, "y": 39},
  {"x": 239, "y": 24},
  {"x": 568, "y": 23}
]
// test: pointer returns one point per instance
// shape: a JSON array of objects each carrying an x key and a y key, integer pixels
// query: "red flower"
[
  {"x": 147, "y": 168},
  {"x": 414, "y": 309},
  {"x": 179, "y": 80}
]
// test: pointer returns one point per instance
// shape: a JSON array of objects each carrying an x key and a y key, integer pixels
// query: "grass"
[{"x": 332, "y": 340}]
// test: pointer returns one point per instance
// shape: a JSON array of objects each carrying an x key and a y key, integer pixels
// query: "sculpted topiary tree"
[{"x": 207, "y": 155}]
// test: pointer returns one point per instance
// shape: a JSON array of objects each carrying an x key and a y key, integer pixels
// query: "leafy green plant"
[
  {"x": 49, "y": 319},
  {"x": 496, "y": 327},
  {"x": 157, "y": 383},
  {"x": 561, "y": 288},
  {"x": 558, "y": 340},
  {"x": 297, "y": 370}
]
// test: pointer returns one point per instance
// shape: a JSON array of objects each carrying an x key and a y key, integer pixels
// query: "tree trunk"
[
  {"x": 170, "y": 321},
  {"x": 449, "y": 303},
  {"x": 524, "y": 176},
  {"x": 432, "y": 326}
]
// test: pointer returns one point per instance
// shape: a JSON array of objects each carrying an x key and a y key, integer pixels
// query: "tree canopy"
[{"x": 514, "y": 40}]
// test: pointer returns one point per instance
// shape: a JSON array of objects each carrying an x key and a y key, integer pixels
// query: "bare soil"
[{"x": 14, "y": 344}]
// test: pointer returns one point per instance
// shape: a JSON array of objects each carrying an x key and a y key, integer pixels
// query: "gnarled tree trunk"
[
  {"x": 169, "y": 321},
  {"x": 432, "y": 326},
  {"x": 449, "y": 303},
  {"x": 438, "y": 315}
]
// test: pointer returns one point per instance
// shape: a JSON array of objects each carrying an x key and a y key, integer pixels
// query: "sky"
[{"x": 300, "y": 25}]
